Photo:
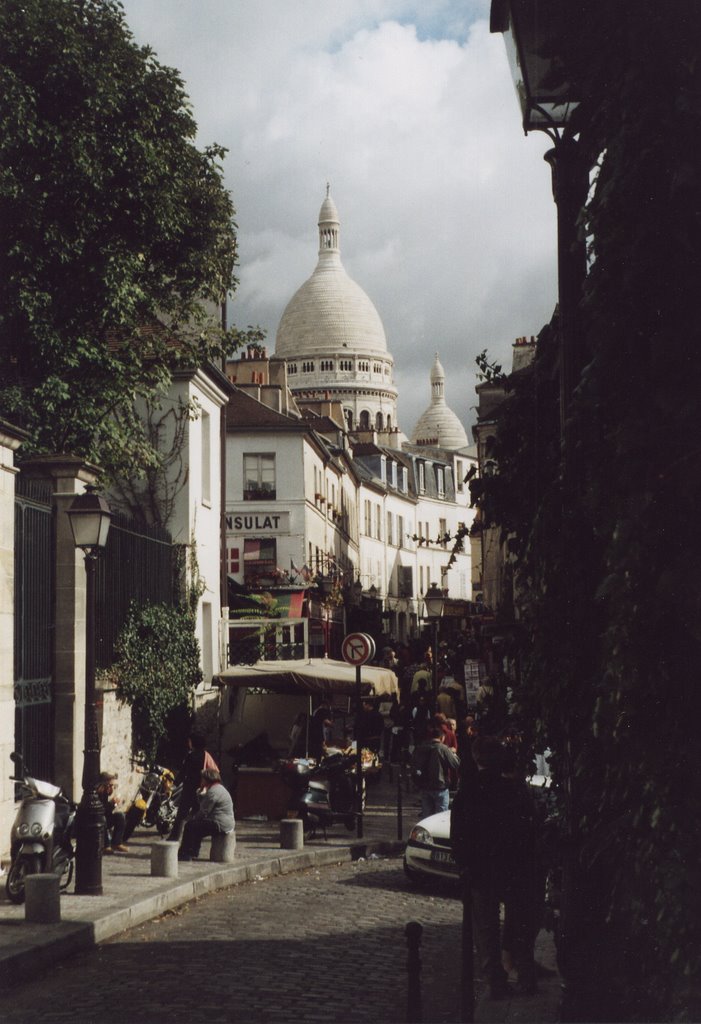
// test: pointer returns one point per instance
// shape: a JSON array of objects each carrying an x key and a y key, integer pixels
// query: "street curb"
[{"x": 61, "y": 940}]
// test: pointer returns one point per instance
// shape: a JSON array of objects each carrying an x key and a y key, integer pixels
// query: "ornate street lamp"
[
  {"x": 434, "y": 602},
  {"x": 533, "y": 31},
  {"x": 89, "y": 516}
]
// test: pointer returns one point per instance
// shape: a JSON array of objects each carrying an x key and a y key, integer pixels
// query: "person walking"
[
  {"x": 433, "y": 762},
  {"x": 492, "y": 832},
  {"x": 195, "y": 762}
]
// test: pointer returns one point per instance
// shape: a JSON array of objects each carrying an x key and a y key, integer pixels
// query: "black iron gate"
[{"x": 34, "y": 625}]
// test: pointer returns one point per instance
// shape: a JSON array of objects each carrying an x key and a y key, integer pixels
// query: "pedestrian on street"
[
  {"x": 196, "y": 760},
  {"x": 492, "y": 832},
  {"x": 320, "y": 729},
  {"x": 214, "y": 817},
  {"x": 369, "y": 727},
  {"x": 433, "y": 763}
]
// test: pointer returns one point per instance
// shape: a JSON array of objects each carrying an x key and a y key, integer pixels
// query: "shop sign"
[{"x": 242, "y": 523}]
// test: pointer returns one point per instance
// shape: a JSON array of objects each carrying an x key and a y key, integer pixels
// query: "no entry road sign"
[{"x": 357, "y": 648}]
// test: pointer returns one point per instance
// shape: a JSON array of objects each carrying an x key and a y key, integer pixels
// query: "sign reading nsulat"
[{"x": 357, "y": 648}]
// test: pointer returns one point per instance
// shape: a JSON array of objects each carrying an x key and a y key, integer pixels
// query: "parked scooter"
[
  {"x": 323, "y": 794},
  {"x": 155, "y": 802},
  {"x": 40, "y": 840}
]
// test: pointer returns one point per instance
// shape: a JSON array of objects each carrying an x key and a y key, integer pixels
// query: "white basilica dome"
[
  {"x": 438, "y": 425},
  {"x": 333, "y": 341},
  {"x": 330, "y": 312}
]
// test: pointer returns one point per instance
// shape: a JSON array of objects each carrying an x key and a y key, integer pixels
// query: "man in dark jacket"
[
  {"x": 492, "y": 835},
  {"x": 433, "y": 762}
]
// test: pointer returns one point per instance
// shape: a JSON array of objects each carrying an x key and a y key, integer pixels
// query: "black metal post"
[
  {"x": 90, "y": 817},
  {"x": 435, "y": 660},
  {"x": 358, "y": 758},
  {"x": 570, "y": 181},
  {"x": 467, "y": 987},
  {"x": 400, "y": 795},
  {"x": 414, "y": 1012}
]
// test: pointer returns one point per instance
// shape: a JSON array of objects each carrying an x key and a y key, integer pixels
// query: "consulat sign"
[{"x": 241, "y": 523}]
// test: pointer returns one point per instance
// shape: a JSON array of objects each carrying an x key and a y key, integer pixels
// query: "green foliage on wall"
[
  {"x": 157, "y": 669},
  {"x": 607, "y": 572}
]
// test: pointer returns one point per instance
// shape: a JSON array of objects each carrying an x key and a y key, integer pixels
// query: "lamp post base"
[{"x": 90, "y": 841}]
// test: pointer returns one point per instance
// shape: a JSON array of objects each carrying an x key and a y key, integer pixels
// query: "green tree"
[
  {"x": 111, "y": 218},
  {"x": 157, "y": 670}
]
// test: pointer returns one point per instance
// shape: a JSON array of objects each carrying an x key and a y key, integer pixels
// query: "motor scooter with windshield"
[{"x": 41, "y": 835}]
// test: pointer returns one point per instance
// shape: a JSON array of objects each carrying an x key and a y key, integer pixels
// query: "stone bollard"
[
  {"x": 292, "y": 834},
  {"x": 164, "y": 859},
  {"x": 223, "y": 849},
  {"x": 42, "y": 899}
]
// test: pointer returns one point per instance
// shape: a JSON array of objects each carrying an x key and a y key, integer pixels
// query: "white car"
[{"x": 428, "y": 855}]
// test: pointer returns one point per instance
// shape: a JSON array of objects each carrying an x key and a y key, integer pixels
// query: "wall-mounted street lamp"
[
  {"x": 434, "y": 602},
  {"x": 533, "y": 31},
  {"x": 89, "y": 516}
]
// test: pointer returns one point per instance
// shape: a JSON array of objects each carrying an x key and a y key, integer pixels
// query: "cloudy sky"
[{"x": 408, "y": 109}]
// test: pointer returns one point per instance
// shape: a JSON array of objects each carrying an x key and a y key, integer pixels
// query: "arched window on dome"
[
  {"x": 378, "y": 421},
  {"x": 348, "y": 413},
  {"x": 388, "y": 425},
  {"x": 364, "y": 421}
]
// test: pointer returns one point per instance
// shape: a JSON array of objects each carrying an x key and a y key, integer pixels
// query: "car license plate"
[{"x": 443, "y": 856}]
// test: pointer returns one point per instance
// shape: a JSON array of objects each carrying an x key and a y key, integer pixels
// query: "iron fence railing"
[
  {"x": 139, "y": 565},
  {"x": 34, "y": 624}
]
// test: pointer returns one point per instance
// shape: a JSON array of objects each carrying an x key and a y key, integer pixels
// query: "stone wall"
[{"x": 116, "y": 749}]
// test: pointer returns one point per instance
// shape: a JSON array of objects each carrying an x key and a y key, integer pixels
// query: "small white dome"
[{"x": 438, "y": 425}]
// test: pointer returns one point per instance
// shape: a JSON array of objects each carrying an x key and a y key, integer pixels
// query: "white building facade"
[{"x": 346, "y": 493}]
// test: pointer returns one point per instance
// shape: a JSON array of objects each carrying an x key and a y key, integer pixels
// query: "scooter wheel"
[{"x": 23, "y": 866}]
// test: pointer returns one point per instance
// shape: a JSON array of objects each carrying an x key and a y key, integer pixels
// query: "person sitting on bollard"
[
  {"x": 114, "y": 819},
  {"x": 214, "y": 817}
]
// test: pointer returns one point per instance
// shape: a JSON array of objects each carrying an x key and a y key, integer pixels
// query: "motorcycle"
[
  {"x": 155, "y": 802},
  {"x": 41, "y": 836},
  {"x": 324, "y": 794}
]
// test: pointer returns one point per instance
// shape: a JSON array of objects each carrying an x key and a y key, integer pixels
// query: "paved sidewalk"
[{"x": 131, "y": 896}]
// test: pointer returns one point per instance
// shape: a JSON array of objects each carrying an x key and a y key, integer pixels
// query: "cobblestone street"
[{"x": 324, "y": 944}]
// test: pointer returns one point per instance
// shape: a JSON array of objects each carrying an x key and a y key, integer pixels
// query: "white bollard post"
[
  {"x": 164, "y": 859},
  {"x": 292, "y": 834},
  {"x": 42, "y": 903}
]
